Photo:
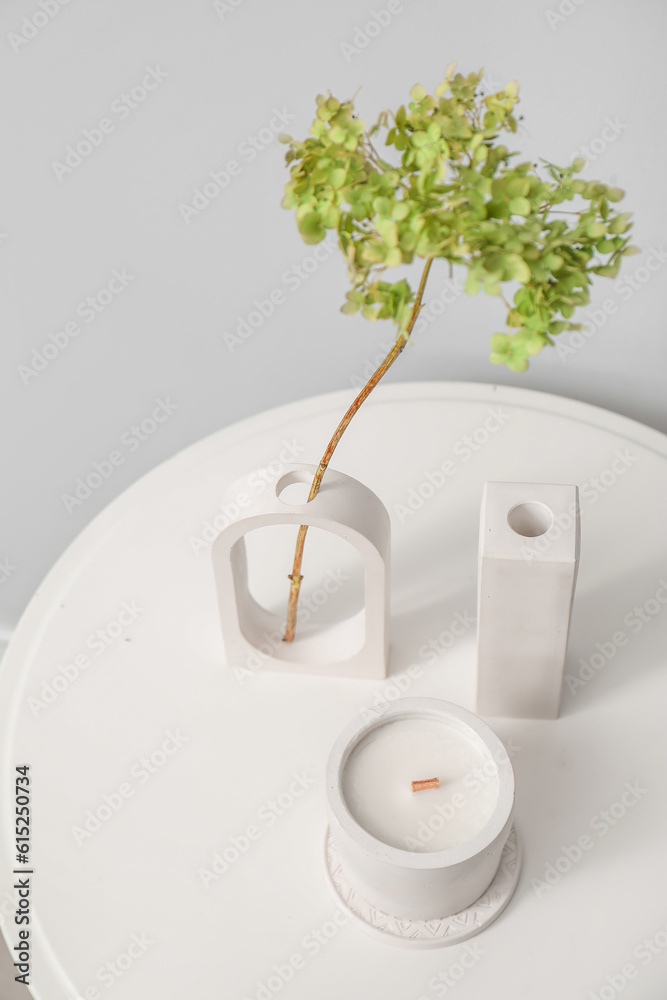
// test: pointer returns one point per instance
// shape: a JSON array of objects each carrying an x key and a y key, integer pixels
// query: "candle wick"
[{"x": 419, "y": 786}]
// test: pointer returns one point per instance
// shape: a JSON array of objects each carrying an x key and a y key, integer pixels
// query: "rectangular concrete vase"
[{"x": 528, "y": 558}]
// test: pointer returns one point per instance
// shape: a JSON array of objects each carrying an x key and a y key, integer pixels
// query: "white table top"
[{"x": 192, "y": 753}]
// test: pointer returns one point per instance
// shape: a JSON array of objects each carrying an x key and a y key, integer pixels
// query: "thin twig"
[{"x": 295, "y": 576}]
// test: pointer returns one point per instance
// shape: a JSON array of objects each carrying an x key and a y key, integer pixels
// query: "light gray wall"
[{"x": 221, "y": 73}]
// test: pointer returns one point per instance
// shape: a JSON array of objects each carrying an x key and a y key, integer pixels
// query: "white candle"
[
  {"x": 455, "y": 833},
  {"x": 376, "y": 784}
]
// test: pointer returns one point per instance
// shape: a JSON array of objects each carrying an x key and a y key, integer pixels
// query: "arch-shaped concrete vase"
[{"x": 355, "y": 647}]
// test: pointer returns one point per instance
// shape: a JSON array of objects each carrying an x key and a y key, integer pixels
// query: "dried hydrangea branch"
[{"x": 295, "y": 576}]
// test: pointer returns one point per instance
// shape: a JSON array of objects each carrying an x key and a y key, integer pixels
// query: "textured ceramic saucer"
[{"x": 427, "y": 933}]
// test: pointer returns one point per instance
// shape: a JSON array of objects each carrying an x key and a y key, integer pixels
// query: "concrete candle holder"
[{"x": 419, "y": 867}]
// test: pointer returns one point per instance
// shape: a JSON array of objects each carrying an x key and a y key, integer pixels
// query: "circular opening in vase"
[
  {"x": 293, "y": 488},
  {"x": 530, "y": 519}
]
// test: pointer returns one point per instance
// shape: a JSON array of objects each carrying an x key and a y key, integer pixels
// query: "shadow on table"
[{"x": 615, "y": 635}]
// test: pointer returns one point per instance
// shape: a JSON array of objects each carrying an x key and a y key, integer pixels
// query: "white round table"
[{"x": 177, "y": 801}]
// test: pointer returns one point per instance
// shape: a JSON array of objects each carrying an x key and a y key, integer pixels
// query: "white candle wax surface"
[{"x": 377, "y": 776}]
